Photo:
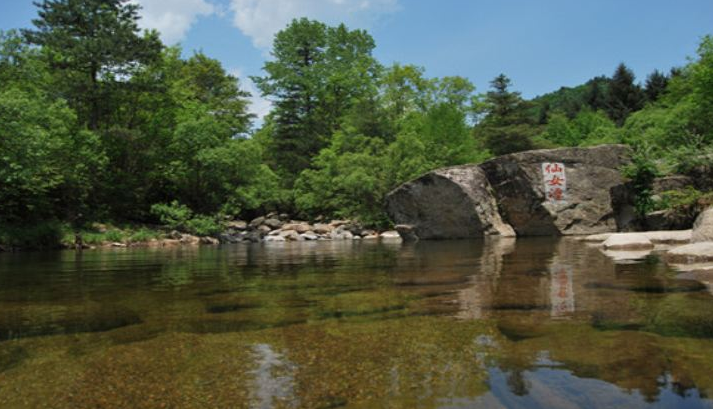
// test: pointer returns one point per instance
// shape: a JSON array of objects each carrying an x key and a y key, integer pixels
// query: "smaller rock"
[
  {"x": 290, "y": 235},
  {"x": 274, "y": 232},
  {"x": 321, "y": 228},
  {"x": 175, "y": 235},
  {"x": 371, "y": 237},
  {"x": 390, "y": 235},
  {"x": 257, "y": 222},
  {"x": 628, "y": 241},
  {"x": 189, "y": 239},
  {"x": 274, "y": 238},
  {"x": 229, "y": 238},
  {"x": 238, "y": 225},
  {"x": 407, "y": 232},
  {"x": 273, "y": 223},
  {"x": 337, "y": 223},
  {"x": 299, "y": 227},
  {"x": 212, "y": 241},
  {"x": 597, "y": 237},
  {"x": 264, "y": 230},
  {"x": 703, "y": 227},
  {"x": 117, "y": 244},
  {"x": 253, "y": 236},
  {"x": 310, "y": 235},
  {"x": 691, "y": 253}
]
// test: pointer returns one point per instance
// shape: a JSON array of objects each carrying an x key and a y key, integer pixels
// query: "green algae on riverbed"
[{"x": 316, "y": 325}]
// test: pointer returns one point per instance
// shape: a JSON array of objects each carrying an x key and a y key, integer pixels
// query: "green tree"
[
  {"x": 623, "y": 95},
  {"x": 48, "y": 166},
  {"x": 95, "y": 45},
  {"x": 656, "y": 84},
  {"x": 317, "y": 74},
  {"x": 508, "y": 126}
]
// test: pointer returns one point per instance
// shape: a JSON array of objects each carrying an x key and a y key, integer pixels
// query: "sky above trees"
[{"x": 539, "y": 45}]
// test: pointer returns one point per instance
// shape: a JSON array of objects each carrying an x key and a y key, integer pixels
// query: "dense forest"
[{"x": 101, "y": 122}]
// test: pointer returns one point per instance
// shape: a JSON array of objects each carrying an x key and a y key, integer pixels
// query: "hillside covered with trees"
[{"x": 101, "y": 122}]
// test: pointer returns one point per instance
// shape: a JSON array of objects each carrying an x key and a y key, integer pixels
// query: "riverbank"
[{"x": 269, "y": 228}]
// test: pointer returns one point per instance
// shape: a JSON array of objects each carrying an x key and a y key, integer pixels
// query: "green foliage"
[
  {"x": 94, "y": 44},
  {"x": 47, "y": 165},
  {"x": 317, "y": 74},
  {"x": 586, "y": 129},
  {"x": 35, "y": 235},
  {"x": 348, "y": 180},
  {"x": 101, "y": 121},
  {"x": 179, "y": 217},
  {"x": 623, "y": 95},
  {"x": 507, "y": 127},
  {"x": 642, "y": 171},
  {"x": 677, "y": 199}
]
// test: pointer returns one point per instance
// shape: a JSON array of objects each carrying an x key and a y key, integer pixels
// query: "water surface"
[{"x": 550, "y": 323}]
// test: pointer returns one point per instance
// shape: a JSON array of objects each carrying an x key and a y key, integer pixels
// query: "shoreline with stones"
[{"x": 263, "y": 229}]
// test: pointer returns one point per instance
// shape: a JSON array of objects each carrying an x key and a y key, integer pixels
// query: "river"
[{"x": 497, "y": 323}]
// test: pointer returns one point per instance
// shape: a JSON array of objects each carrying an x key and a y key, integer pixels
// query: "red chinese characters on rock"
[{"x": 555, "y": 181}]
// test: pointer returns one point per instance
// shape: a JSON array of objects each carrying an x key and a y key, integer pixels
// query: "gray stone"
[
  {"x": 299, "y": 227},
  {"x": 703, "y": 227},
  {"x": 256, "y": 222},
  {"x": 390, "y": 235},
  {"x": 628, "y": 241},
  {"x": 209, "y": 240},
  {"x": 290, "y": 235},
  {"x": 672, "y": 182},
  {"x": 321, "y": 228},
  {"x": 449, "y": 203},
  {"x": 593, "y": 199},
  {"x": 406, "y": 231},
  {"x": 309, "y": 236},
  {"x": 238, "y": 225},
  {"x": 273, "y": 223},
  {"x": 274, "y": 238},
  {"x": 691, "y": 253},
  {"x": 669, "y": 219}
]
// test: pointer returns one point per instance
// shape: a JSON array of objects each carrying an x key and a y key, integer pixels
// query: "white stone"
[
  {"x": 691, "y": 253},
  {"x": 703, "y": 227},
  {"x": 628, "y": 241}
]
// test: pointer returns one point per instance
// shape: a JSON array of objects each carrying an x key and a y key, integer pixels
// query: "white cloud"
[
  {"x": 261, "y": 19},
  {"x": 173, "y": 18},
  {"x": 258, "y": 105}
]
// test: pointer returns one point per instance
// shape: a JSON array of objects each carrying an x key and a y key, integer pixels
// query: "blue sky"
[{"x": 541, "y": 45}]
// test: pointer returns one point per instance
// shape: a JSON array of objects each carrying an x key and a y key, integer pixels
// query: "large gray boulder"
[
  {"x": 591, "y": 204},
  {"x": 449, "y": 203}
]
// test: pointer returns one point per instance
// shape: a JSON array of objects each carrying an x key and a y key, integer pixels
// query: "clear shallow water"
[{"x": 497, "y": 323}]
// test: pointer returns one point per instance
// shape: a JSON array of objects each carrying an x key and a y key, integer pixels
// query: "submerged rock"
[
  {"x": 450, "y": 203},
  {"x": 40, "y": 320}
]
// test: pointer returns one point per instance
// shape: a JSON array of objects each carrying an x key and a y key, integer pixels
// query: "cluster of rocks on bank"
[
  {"x": 280, "y": 228},
  {"x": 679, "y": 247}
]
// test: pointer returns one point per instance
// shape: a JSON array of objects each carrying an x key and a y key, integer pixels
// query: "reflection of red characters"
[
  {"x": 553, "y": 168},
  {"x": 556, "y": 194},
  {"x": 555, "y": 181}
]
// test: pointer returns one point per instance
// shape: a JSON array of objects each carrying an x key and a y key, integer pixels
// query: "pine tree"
[
  {"x": 656, "y": 84},
  {"x": 623, "y": 95},
  {"x": 92, "y": 42}
]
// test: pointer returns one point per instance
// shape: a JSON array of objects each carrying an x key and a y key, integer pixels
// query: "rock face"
[
  {"x": 449, "y": 203},
  {"x": 703, "y": 227},
  {"x": 476, "y": 200},
  {"x": 591, "y": 203}
]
